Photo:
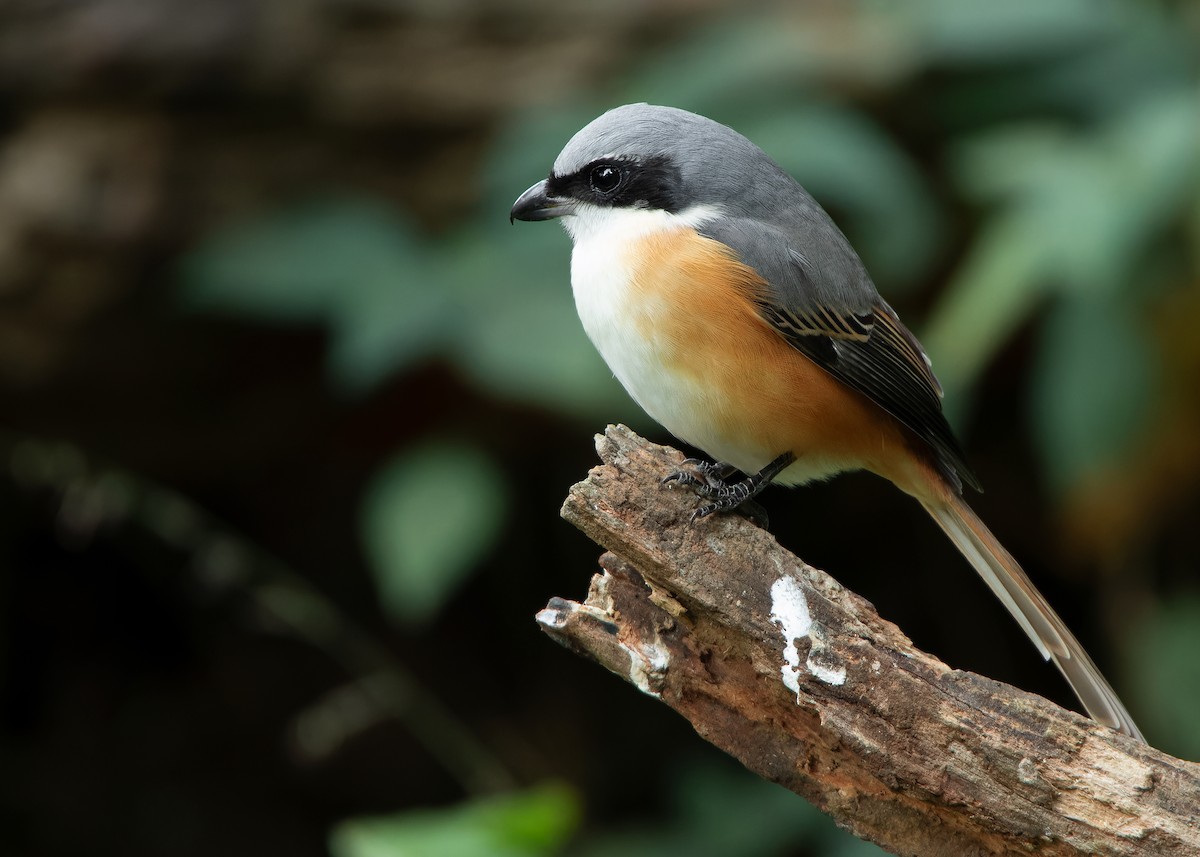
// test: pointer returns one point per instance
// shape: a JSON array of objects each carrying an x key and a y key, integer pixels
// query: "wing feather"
[{"x": 819, "y": 298}]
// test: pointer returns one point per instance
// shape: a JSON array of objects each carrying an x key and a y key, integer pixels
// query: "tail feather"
[{"x": 1048, "y": 632}]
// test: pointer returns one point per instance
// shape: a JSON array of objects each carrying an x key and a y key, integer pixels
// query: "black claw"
[
  {"x": 708, "y": 479},
  {"x": 690, "y": 480},
  {"x": 682, "y": 477}
]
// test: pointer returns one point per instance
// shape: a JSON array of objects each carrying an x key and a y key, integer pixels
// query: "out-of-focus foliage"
[
  {"x": 352, "y": 264},
  {"x": 428, "y": 517},
  {"x": 533, "y": 823},
  {"x": 1077, "y": 213},
  {"x": 392, "y": 298},
  {"x": 706, "y": 796},
  {"x": 1165, "y": 673},
  {"x": 1095, "y": 387}
]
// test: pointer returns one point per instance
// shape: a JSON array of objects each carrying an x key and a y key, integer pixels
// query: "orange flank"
[{"x": 760, "y": 397}]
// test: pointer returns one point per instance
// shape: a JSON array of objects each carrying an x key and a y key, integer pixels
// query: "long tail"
[{"x": 1048, "y": 632}]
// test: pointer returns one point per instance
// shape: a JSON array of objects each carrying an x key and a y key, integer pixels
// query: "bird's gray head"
[{"x": 643, "y": 156}]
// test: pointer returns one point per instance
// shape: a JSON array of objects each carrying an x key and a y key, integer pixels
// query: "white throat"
[
  {"x": 616, "y": 226},
  {"x": 601, "y": 271}
]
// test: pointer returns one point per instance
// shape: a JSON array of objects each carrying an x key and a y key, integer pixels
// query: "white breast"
[
  {"x": 607, "y": 303},
  {"x": 619, "y": 318}
]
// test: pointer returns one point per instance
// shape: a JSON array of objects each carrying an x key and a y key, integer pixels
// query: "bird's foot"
[
  {"x": 706, "y": 477},
  {"x": 709, "y": 480}
]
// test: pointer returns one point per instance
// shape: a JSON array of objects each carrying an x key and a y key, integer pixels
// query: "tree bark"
[{"x": 800, "y": 679}]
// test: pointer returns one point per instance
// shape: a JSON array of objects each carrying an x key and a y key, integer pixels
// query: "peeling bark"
[{"x": 780, "y": 666}]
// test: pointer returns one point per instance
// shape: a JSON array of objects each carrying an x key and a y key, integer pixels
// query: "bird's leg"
[{"x": 725, "y": 496}]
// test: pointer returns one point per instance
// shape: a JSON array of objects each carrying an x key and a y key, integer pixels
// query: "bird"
[{"x": 737, "y": 315}]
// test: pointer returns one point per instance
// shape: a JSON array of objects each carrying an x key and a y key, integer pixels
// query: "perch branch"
[{"x": 778, "y": 665}]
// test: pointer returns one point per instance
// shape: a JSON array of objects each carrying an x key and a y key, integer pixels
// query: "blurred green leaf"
[
  {"x": 983, "y": 31},
  {"x": 723, "y": 810},
  {"x": 388, "y": 322},
  {"x": 494, "y": 298},
  {"x": 1143, "y": 51},
  {"x": 1077, "y": 214},
  {"x": 1166, "y": 673},
  {"x": 428, "y": 516},
  {"x": 997, "y": 285},
  {"x": 520, "y": 336},
  {"x": 346, "y": 262},
  {"x": 726, "y": 64},
  {"x": 1157, "y": 159},
  {"x": 528, "y": 824},
  {"x": 1093, "y": 387},
  {"x": 299, "y": 263}
]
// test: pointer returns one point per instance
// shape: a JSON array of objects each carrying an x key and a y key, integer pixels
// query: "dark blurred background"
[{"x": 287, "y": 408}]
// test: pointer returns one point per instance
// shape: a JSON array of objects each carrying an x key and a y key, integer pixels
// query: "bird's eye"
[{"x": 605, "y": 178}]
